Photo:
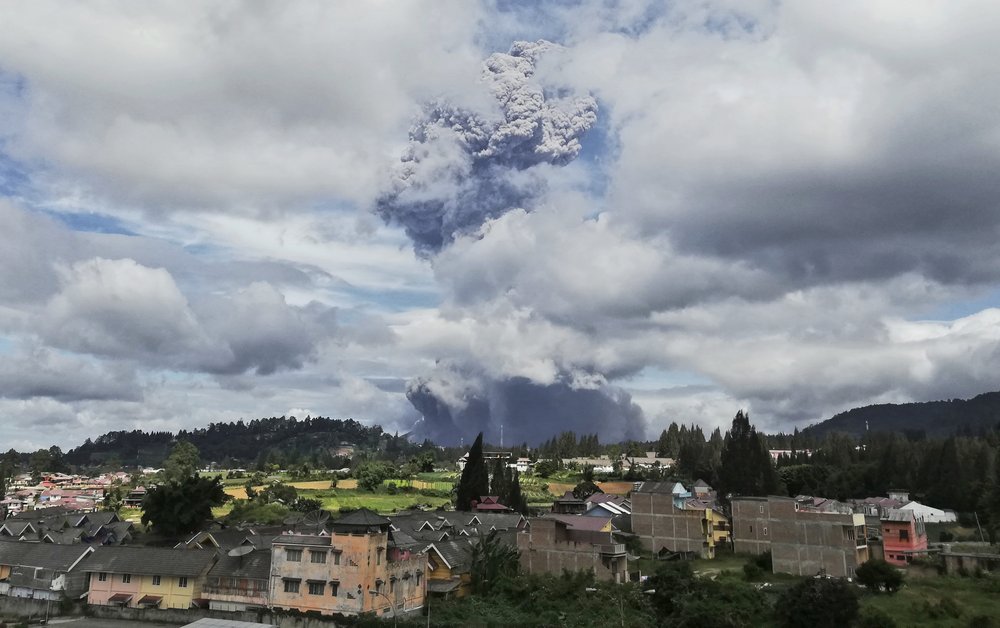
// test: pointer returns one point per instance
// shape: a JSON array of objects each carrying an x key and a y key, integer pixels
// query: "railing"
[
  {"x": 235, "y": 591},
  {"x": 612, "y": 548}
]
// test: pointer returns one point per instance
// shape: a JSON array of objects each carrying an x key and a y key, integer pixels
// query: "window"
[
  {"x": 182, "y": 582},
  {"x": 291, "y": 586},
  {"x": 126, "y": 578},
  {"x": 392, "y": 585},
  {"x": 102, "y": 577},
  {"x": 156, "y": 581},
  {"x": 762, "y": 509},
  {"x": 751, "y": 529},
  {"x": 333, "y": 588},
  {"x": 316, "y": 588},
  {"x": 418, "y": 579},
  {"x": 336, "y": 558},
  {"x": 293, "y": 555},
  {"x": 765, "y": 530},
  {"x": 317, "y": 557},
  {"x": 904, "y": 535},
  {"x": 378, "y": 556}
]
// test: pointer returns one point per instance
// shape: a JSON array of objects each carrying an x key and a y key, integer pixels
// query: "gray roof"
[
  {"x": 457, "y": 553},
  {"x": 42, "y": 555},
  {"x": 656, "y": 487},
  {"x": 256, "y": 565},
  {"x": 362, "y": 517},
  {"x": 149, "y": 561}
]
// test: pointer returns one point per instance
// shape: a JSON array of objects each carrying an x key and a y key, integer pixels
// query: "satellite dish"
[
  {"x": 241, "y": 550},
  {"x": 316, "y": 518}
]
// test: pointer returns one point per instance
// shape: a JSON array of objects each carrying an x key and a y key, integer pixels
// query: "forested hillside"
[
  {"x": 281, "y": 440},
  {"x": 931, "y": 418}
]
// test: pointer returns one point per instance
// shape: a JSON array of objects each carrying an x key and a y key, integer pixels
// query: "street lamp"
[{"x": 388, "y": 599}]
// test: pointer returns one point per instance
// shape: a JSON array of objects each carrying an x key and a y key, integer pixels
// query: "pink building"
[{"x": 903, "y": 536}]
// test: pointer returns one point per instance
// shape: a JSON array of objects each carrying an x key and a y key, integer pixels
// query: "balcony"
[{"x": 612, "y": 549}]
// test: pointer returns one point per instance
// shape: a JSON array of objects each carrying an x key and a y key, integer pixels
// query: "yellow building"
[
  {"x": 146, "y": 576},
  {"x": 450, "y": 568}
]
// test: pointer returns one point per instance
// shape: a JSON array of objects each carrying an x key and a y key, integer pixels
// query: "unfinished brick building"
[
  {"x": 804, "y": 539},
  {"x": 555, "y": 543}
]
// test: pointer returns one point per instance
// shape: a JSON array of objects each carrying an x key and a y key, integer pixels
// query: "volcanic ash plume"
[
  {"x": 456, "y": 404},
  {"x": 462, "y": 167}
]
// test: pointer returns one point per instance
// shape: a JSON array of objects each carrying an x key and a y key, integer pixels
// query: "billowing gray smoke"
[
  {"x": 462, "y": 168},
  {"x": 529, "y": 412}
]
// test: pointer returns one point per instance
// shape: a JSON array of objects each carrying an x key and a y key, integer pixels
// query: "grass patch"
[
  {"x": 914, "y": 604},
  {"x": 338, "y": 498}
]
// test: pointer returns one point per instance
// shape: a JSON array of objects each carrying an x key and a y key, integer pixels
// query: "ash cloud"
[
  {"x": 457, "y": 405},
  {"x": 462, "y": 167}
]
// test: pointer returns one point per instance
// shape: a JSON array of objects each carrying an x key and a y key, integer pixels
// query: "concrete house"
[
  {"x": 147, "y": 577},
  {"x": 805, "y": 539},
  {"x": 42, "y": 571},
  {"x": 903, "y": 536},
  {"x": 667, "y": 518},
  {"x": 354, "y": 569},
  {"x": 239, "y": 580},
  {"x": 575, "y": 543}
]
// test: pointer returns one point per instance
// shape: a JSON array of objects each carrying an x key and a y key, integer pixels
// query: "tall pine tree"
[
  {"x": 475, "y": 480},
  {"x": 746, "y": 467}
]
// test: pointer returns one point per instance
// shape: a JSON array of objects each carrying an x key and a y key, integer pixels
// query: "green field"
[{"x": 336, "y": 499}]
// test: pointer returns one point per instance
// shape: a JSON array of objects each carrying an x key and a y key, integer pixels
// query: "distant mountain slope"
[
  {"x": 281, "y": 438},
  {"x": 934, "y": 418}
]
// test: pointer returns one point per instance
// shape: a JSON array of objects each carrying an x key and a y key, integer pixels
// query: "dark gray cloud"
[
  {"x": 456, "y": 404},
  {"x": 463, "y": 167},
  {"x": 42, "y": 372}
]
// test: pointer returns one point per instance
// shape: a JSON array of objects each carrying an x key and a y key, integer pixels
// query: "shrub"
[
  {"x": 752, "y": 571},
  {"x": 879, "y": 575},
  {"x": 946, "y": 536},
  {"x": 875, "y": 618},
  {"x": 945, "y": 607},
  {"x": 818, "y": 603},
  {"x": 982, "y": 621}
]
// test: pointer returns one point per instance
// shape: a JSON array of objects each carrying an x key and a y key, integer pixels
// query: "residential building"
[
  {"x": 63, "y": 526},
  {"x": 605, "y": 505},
  {"x": 354, "y": 569},
  {"x": 647, "y": 461},
  {"x": 521, "y": 465},
  {"x": 42, "y": 571},
  {"x": 668, "y": 519},
  {"x": 569, "y": 504},
  {"x": 903, "y": 536},
  {"x": 140, "y": 577},
  {"x": 554, "y": 543},
  {"x": 239, "y": 580},
  {"x": 488, "y": 503},
  {"x": 804, "y": 539},
  {"x": 929, "y": 514},
  {"x": 488, "y": 456},
  {"x": 450, "y": 568}
]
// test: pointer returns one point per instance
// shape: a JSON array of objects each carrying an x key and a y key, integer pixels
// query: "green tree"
[
  {"x": 746, "y": 464},
  {"x": 475, "y": 480},
  {"x": 492, "y": 561},
  {"x": 178, "y": 508},
  {"x": 818, "y": 603},
  {"x": 278, "y": 493},
  {"x": 182, "y": 463},
  {"x": 371, "y": 475},
  {"x": 878, "y": 575}
]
